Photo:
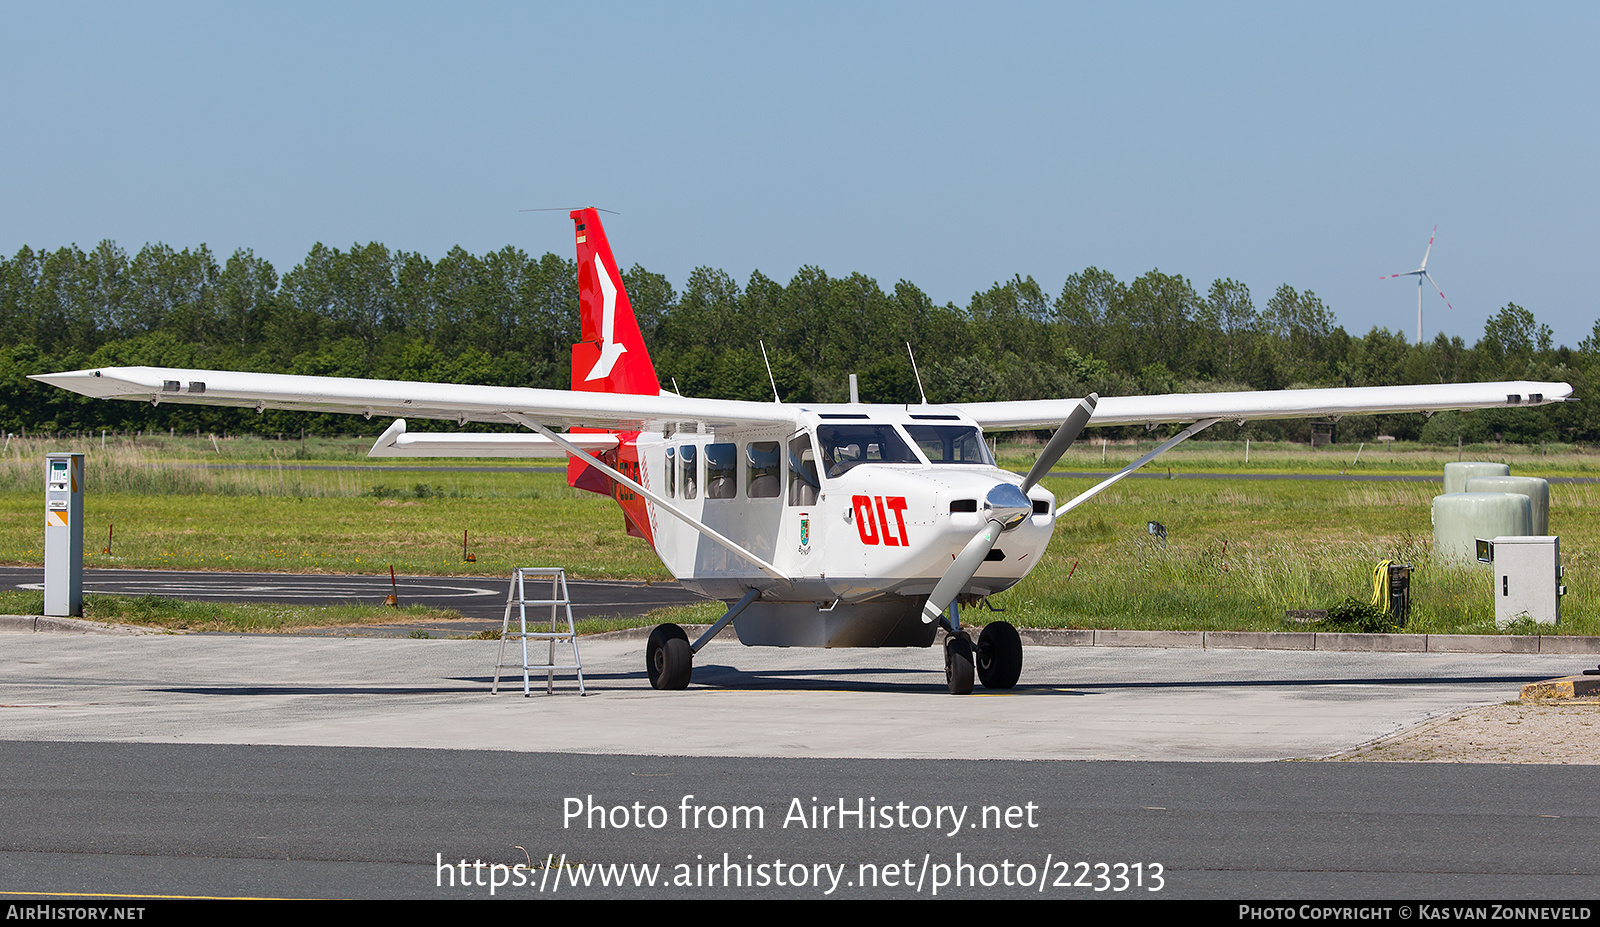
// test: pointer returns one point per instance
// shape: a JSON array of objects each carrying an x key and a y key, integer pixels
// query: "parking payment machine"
[{"x": 63, "y": 535}]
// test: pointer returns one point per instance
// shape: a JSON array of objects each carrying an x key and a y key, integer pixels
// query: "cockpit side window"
[
  {"x": 950, "y": 444},
  {"x": 846, "y": 446}
]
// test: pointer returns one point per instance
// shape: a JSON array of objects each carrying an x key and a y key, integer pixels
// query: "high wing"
[
  {"x": 1268, "y": 404},
  {"x": 402, "y": 398},
  {"x": 632, "y": 412}
]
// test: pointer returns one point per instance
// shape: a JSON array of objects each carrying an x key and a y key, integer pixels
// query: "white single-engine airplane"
[{"x": 822, "y": 525}]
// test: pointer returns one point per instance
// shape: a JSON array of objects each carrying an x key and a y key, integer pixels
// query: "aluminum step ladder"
[{"x": 559, "y": 603}]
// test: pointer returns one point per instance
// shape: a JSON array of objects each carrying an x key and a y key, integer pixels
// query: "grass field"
[{"x": 1238, "y": 553}]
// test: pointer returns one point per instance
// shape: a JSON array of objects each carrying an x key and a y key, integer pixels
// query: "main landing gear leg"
[{"x": 669, "y": 657}]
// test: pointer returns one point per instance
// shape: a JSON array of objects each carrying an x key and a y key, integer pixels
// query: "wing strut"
[
  {"x": 1166, "y": 445},
  {"x": 610, "y": 471}
]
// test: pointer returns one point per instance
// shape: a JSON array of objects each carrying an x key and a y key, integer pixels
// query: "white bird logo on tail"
[{"x": 610, "y": 349}]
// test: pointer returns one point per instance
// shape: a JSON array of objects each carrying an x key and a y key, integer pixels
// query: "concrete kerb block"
[
  {"x": 1372, "y": 643},
  {"x": 18, "y": 623},
  {"x": 1482, "y": 643},
  {"x": 1057, "y": 637},
  {"x": 48, "y": 625},
  {"x": 1261, "y": 640},
  {"x": 1169, "y": 639},
  {"x": 1551, "y": 643}
]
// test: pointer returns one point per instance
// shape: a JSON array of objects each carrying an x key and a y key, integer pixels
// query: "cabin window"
[
  {"x": 846, "y": 446},
  {"x": 688, "y": 458},
  {"x": 722, "y": 471},
  {"x": 762, "y": 478},
  {"x": 950, "y": 444},
  {"x": 803, "y": 486},
  {"x": 672, "y": 472}
]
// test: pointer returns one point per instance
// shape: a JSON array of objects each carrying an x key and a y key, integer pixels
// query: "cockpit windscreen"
[
  {"x": 846, "y": 446},
  {"x": 950, "y": 444}
]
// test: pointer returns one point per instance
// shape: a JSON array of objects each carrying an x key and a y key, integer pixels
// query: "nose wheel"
[{"x": 958, "y": 663}]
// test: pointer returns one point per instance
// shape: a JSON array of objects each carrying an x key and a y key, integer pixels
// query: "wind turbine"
[{"x": 1420, "y": 273}]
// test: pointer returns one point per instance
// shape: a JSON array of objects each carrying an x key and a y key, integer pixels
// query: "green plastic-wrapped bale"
[
  {"x": 1460, "y": 518},
  {"x": 1537, "y": 490},
  {"x": 1457, "y": 474}
]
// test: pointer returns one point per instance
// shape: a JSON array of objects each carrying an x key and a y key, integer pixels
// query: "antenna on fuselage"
[
  {"x": 914, "y": 373},
  {"x": 855, "y": 395},
  {"x": 769, "y": 372}
]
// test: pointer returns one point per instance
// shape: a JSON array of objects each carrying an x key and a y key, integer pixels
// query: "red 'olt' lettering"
[{"x": 872, "y": 525}]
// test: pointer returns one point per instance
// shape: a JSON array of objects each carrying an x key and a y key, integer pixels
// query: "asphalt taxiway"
[{"x": 137, "y": 820}]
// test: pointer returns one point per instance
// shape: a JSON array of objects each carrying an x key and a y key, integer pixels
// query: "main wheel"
[
  {"x": 999, "y": 655},
  {"x": 667, "y": 658},
  {"x": 958, "y": 663}
]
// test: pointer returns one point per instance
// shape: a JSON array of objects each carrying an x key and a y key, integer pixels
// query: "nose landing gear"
[
  {"x": 958, "y": 663},
  {"x": 996, "y": 659}
]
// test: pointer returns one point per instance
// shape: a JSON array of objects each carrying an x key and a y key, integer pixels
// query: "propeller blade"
[
  {"x": 1061, "y": 440},
  {"x": 961, "y": 571},
  {"x": 1431, "y": 236}
]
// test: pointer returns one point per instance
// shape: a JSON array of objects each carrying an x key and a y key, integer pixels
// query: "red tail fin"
[{"x": 611, "y": 358}]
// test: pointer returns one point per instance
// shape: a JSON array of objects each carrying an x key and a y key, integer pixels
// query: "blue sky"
[{"x": 949, "y": 145}]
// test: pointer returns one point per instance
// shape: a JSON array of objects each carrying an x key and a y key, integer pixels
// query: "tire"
[
  {"x": 677, "y": 665},
  {"x": 999, "y": 655},
  {"x": 664, "y": 672},
  {"x": 958, "y": 664}
]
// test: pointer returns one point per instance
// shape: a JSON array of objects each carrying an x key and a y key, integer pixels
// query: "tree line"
[{"x": 508, "y": 319}]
